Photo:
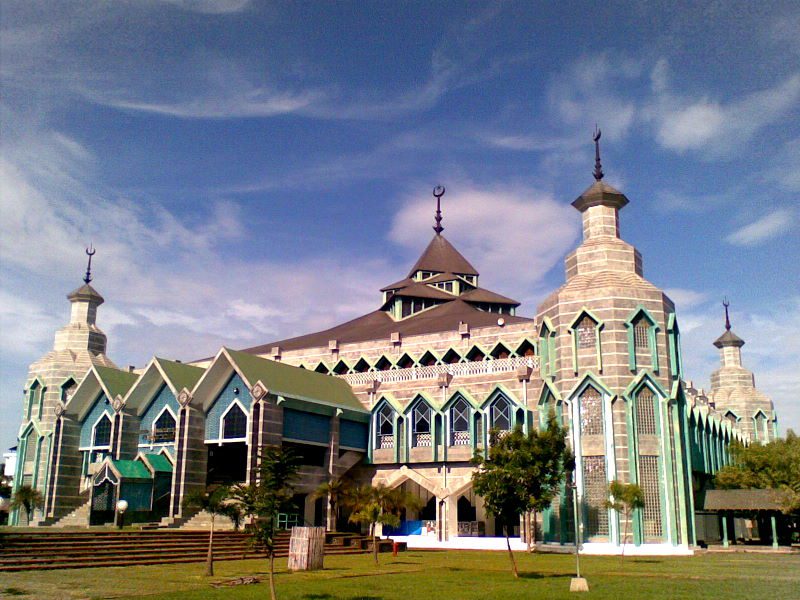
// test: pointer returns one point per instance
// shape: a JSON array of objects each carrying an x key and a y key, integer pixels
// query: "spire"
[
  {"x": 438, "y": 192},
  {"x": 598, "y": 168},
  {"x": 90, "y": 252},
  {"x": 726, "y": 304}
]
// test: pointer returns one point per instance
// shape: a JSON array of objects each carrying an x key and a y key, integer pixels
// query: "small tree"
[
  {"x": 521, "y": 473},
  {"x": 624, "y": 498},
  {"x": 379, "y": 504},
  {"x": 334, "y": 491},
  {"x": 28, "y": 499},
  {"x": 213, "y": 502},
  {"x": 270, "y": 494}
]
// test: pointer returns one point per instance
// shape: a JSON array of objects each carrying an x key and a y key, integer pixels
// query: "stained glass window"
[{"x": 234, "y": 424}]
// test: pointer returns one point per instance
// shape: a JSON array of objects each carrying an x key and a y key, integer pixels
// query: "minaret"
[
  {"x": 602, "y": 249},
  {"x": 53, "y": 378},
  {"x": 733, "y": 389}
]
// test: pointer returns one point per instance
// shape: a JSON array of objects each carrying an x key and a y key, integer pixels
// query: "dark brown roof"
[
  {"x": 398, "y": 284},
  {"x": 729, "y": 339},
  {"x": 379, "y": 325},
  {"x": 600, "y": 194},
  {"x": 482, "y": 295},
  {"x": 742, "y": 500},
  {"x": 423, "y": 290},
  {"x": 442, "y": 257}
]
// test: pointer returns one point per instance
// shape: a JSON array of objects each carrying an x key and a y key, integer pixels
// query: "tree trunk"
[
  {"x": 624, "y": 538},
  {"x": 375, "y": 548},
  {"x": 272, "y": 575},
  {"x": 210, "y": 555},
  {"x": 511, "y": 556}
]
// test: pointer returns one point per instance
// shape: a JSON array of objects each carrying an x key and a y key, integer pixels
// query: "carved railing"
[{"x": 466, "y": 369}]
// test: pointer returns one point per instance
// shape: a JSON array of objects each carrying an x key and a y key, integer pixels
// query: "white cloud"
[
  {"x": 210, "y": 6},
  {"x": 684, "y": 298},
  {"x": 714, "y": 127},
  {"x": 767, "y": 227}
]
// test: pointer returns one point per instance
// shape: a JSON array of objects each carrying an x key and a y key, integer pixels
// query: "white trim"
[
  {"x": 220, "y": 440},
  {"x": 168, "y": 409},
  {"x": 103, "y": 415}
]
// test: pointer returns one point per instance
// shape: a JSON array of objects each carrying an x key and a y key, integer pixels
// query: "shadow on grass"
[
  {"x": 12, "y": 591},
  {"x": 534, "y": 575},
  {"x": 318, "y": 596}
]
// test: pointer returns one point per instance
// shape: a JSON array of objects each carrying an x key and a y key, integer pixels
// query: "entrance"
[{"x": 227, "y": 463}]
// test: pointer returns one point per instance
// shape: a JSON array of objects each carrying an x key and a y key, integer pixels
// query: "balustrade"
[{"x": 466, "y": 369}]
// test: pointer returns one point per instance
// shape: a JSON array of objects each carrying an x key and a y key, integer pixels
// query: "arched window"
[
  {"x": 640, "y": 334},
  {"x": 421, "y": 423},
  {"x": 645, "y": 413},
  {"x": 587, "y": 332},
  {"x": 41, "y": 402},
  {"x": 459, "y": 423},
  {"x": 501, "y": 414},
  {"x": 591, "y": 412},
  {"x": 385, "y": 427},
  {"x": 758, "y": 426},
  {"x": 234, "y": 423},
  {"x": 164, "y": 428},
  {"x": 102, "y": 432},
  {"x": 68, "y": 389}
]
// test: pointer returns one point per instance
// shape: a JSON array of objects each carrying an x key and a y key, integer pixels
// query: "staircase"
[
  {"x": 77, "y": 518},
  {"x": 202, "y": 521},
  {"x": 109, "y": 548}
]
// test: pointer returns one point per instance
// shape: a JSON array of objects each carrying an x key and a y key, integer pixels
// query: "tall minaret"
[
  {"x": 733, "y": 389},
  {"x": 52, "y": 379}
]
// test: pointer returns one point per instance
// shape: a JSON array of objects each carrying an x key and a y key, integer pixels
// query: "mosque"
[{"x": 405, "y": 396}]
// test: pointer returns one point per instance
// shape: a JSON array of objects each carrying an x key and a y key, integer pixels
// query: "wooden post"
[{"x": 306, "y": 548}]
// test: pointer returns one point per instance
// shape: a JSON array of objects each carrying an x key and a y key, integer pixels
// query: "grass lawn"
[{"x": 435, "y": 575}]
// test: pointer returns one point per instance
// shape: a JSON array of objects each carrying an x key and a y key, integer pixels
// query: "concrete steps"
[
  {"x": 77, "y": 518},
  {"x": 72, "y": 550}
]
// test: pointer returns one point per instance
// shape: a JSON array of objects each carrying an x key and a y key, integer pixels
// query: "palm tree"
[
  {"x": 28, "y": 499},
  {"x": 624, "y": 498},
  {"x": 335, "y": 491},
  {"x": 213, "y": 502}
]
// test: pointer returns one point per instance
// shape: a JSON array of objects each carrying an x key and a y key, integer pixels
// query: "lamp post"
[
  {"x": 122, "y": 506},
  {"x": 577, "y": 583}
]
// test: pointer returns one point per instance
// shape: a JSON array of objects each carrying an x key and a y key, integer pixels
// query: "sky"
[{"x": 250, "y": 171}]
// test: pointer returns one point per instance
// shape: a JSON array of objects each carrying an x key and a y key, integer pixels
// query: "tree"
[
  {"x": 521, "y": 473},
  {"x": 379, "y": 504},
  {"x": 213, "y": 502},
  {"x": 28, "y": 499},
  {"x": 775, "y": 465},
  {"x": 624, "y": 498},
  {"x": 269, "y": 495},
  {"x": 334, "y": 490}
]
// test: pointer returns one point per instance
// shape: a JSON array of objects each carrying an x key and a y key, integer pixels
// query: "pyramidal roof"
[{"x": 442, "y": 257}]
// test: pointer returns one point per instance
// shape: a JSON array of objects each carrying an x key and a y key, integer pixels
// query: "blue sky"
[{"x": 250, "y": 170}]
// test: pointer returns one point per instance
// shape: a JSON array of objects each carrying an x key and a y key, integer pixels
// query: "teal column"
[
  {"x": 774, "y": 531},
  {"x": 724, "y": 531}
]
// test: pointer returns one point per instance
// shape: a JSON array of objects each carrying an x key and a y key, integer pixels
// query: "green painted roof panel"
[
  {"x": 181, "y": 375},
  {"x": 159, "y": 462},
  {"x": 116, "y": 382},
  {"x": 132, "y": 469},
  {"x": 303, "y": 384}
]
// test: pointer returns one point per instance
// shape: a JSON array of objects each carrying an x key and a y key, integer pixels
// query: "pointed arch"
[
  {"x": 585, "y": 332},
  {"x": 642, "y": 327},
  {"x": 67, "y": 389},
  {"x": 233, "y": 422},
  {"x": 405, "y": 362},
  {"x": 341, "y": 368},
  {"x": 383, "y": 364},
  {"x": 322, "y": 368},
  {"x": 164, "y": 426},
  {"x": 476, "y": 353},
  {"x": 500, "y": 351},
  {"x": 428, "y": 359},
  {"x": 34, "y": 396},
  {"x": 361, "y": 366},
  {"x": 547, "y": 347},
  {"x": 452, "y": 356},
  {"x": 420, "y": 414},
  {"x": 526, "y": 348}
]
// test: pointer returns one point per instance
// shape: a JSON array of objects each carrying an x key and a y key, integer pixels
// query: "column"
[
  {"x": 724, "y": 531},
  {"x": 774, "y": 531}
]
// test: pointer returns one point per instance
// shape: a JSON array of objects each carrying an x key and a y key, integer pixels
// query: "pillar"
[
  {"x": 774, "y": 531},
  {"x": 724, "y": 531}
]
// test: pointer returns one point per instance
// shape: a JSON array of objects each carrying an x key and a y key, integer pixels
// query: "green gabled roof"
[
  {"x": 294, "y": 382},
  {"x": 115, "y": 381},
  {"x": 181, "y": 375},
  {"x": 159, "y": 462},
  {"x": 132, "y": 469}
]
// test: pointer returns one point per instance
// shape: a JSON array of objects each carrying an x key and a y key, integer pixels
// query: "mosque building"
[{"x": 405, "y": 396}]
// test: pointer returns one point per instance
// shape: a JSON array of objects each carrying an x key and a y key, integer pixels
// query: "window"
[
  {"x": 587, "y": 333},
  {"x": 591, "y": 412},
  {"x": 501, "y": 414},
  {"x": 649, "y": 480},
  {"x": 641, "y": 334},
  {"x": 422, "y": 425},
  {"x": 102, "y": 432},
  {"x": 67, "y": 390},
  {"x": 595, "y": 490},
  {"x": 459, "y": 423},
  {"x": 41, "y": 402},
  {"x": 645, "y": 413},
  {"x": 234, "y": 423},
  {"x": 164, "y": 428},
  {"x": 385, "y": 427}
]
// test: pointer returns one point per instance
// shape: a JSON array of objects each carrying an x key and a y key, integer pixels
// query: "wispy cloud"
[
  {"x": 685, "y": 299},
  {"x": 766, "y": 228},
  {"x": 214, "y": 7}
]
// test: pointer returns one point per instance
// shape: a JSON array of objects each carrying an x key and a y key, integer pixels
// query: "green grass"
[{"x": 436, "y": 575}]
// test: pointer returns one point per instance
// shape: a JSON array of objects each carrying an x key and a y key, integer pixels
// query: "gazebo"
[{"x": 751, "y": 504}]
